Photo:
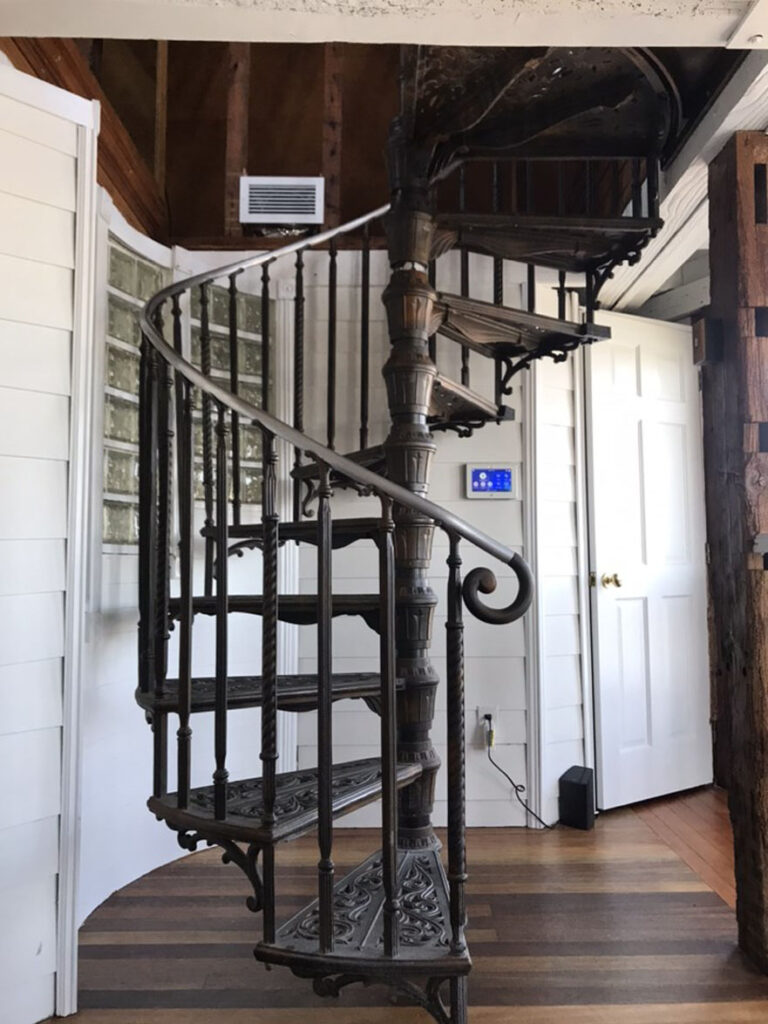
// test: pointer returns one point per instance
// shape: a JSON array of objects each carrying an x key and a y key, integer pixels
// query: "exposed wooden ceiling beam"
[
  {"x": 455, "y": 22},
  {"x": 236, "y": 153}
]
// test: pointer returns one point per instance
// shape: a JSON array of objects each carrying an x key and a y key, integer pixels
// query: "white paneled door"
[{"x": 647, "y": 556}]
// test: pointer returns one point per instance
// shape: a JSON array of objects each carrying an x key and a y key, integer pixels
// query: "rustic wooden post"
[
  {"x": 735, "y": 391},
  {"x": 236, "y": 154},
  {"x": 333, "y": 63}
]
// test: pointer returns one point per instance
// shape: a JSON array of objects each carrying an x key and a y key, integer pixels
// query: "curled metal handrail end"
[{"x": 483, "y": 581}]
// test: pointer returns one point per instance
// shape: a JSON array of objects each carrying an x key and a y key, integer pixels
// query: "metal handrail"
[{"x": 452, "y": 524}]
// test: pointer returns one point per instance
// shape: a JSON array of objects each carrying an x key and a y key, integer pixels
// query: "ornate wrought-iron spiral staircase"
[{"x": 587, "y": 128}]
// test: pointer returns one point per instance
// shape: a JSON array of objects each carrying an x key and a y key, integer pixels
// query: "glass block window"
[
  {"x": 249, "y": 378},
  {"x": 131, "y": 281}
]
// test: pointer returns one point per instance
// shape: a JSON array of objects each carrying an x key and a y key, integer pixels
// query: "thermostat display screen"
[{"x": 487, "y": 480}]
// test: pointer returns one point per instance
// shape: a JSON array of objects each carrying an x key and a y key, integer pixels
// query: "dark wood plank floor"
[{"x": 606, "y": 927}]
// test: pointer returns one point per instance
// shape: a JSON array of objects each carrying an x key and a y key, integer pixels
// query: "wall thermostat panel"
[{"x": 491, "y": 480}]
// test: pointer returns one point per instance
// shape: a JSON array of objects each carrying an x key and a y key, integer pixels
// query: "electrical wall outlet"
[{"x": 480, "y": 726}]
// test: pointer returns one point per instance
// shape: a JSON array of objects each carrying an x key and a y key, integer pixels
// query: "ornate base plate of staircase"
[
  {"x": 355, "y": 783},
  {"x": 423, "y": 926}
]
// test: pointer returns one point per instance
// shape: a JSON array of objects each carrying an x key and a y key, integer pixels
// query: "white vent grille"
[{"x": 284, "y": 200}]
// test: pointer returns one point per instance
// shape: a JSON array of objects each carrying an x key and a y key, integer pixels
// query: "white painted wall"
[{"x": 45, "y": 182}]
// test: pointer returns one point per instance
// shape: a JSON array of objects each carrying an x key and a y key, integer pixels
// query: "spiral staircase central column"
[{"x": 409, "y": 374}]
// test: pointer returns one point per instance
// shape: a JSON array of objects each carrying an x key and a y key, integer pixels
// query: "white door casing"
[{"x": 647, "y": 526}]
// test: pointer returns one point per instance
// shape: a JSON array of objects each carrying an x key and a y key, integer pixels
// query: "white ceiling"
[{"x": 482, "y": 22}]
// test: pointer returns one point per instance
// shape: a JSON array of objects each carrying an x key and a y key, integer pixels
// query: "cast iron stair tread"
[
  {"x": 343, "y": 532},
  {"x": 300, "y": 609},
  {"x": 452, "y": 402},
  {"x": 563, "y": 243},
  {"x": 294, "y": 692},
  {"x": 355, "y": 783},
  {"x": 501, "y": 330},
  {"x": 424, "y": 924}
]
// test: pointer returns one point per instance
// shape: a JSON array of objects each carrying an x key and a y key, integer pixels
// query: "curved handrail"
[{"x": 452, "y": 524}]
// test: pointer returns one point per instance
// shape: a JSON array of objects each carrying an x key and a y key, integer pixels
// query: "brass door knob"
[{"x": 610, "y": 581}]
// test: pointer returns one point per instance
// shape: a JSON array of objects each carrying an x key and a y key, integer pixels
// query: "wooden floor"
[{"x": 606, "y": 927}]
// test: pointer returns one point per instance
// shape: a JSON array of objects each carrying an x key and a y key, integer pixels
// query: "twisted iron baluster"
[
  {"x": 457, "y": 872},
  {"x": 331, "y": 403},
  {"x": 234, "y": 385},
  {"x": 365, "y": 299},
  {"x": 221, "y": 774},
  {"x": 388, "y": 728},
  {"x": 269, "y": 620},
  {"x": 162, "y": 581},
  {"x": 464, "y": 289},
  {"x": 498, "y": 286},
  {"x": 325, "y": 867},
  {"x": 432, "y": 341},
  {"x": 266, "y": 355},
  {"x": 298, "y": 376},
  {"x": 561, "y": 295},
  {"x": 207, "y": 427},
  {"x": 185, "y": 494}
]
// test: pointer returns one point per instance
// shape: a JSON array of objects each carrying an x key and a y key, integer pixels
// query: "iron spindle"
[
  {"x": 266, "y": 368},
  {"x": 298, "y": 376},
  {"x": 365, "y": 300},
  {"x": 269, "y": 699},
  {"x": 325, "y": 867},
  {"x": 464, "y": 269},
  {"x": 185, "y": 485},
  {"x": 589, "y": 303},
  {"x": 221, "y": 774},
  {"x": 457, "y": 872},
  {"x": 498, "y": 285},
  {"x": 531, "y": 288},
  {"x": 561, "y": 295},
  {"x": 388, "y": 728},
  {"x": 207, "y": 428},
  {"x": 331, "y": 403},
  {"x": 432, "y": 278},
  {"x": 637, "y": 189},
  {"x": 234, "y": 386},
  {"x": 147, "y": 515},
  {"x": 162, "y": 582},
  {"x": 652, "y": 182}
]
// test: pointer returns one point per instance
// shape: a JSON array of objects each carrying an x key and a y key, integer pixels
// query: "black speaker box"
[{"x": 577, "y": 798}]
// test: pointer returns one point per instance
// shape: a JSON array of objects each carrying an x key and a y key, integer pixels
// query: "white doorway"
[{"x": 647, "y": 562}]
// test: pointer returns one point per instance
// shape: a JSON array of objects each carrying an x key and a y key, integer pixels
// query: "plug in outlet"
[{"x": 480, "y": 730}]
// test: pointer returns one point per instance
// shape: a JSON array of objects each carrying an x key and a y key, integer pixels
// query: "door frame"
[{"x": 586, "y": 549}]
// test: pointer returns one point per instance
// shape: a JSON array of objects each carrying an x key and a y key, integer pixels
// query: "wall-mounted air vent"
[{"x": 281, "y": 200}]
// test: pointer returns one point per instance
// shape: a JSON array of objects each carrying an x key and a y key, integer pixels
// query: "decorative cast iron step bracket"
[
  {"x": 354, "y": 784},
  {"x": 294, "y": 692},
  {"x": 424, "y": 929},
  {"x": 343, "y": 533},
  {"x": 455, "y": 407},
  {"x": 572, "y": 244},
  {"x": 301, "y": 609},
  {"x": 503, "y": 333}
]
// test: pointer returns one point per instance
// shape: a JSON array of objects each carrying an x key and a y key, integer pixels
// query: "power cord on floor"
[{"x": 517, "y": 788}]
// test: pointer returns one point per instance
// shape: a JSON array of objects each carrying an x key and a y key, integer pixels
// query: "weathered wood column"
[
  {"x": 735, "y": 392},
  {"x": 409, "y": 374}
]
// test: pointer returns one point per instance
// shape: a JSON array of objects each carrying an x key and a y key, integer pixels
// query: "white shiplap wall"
[
  {"x": 41, "y": 192},
  {"x": 495, "y": 655}
]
